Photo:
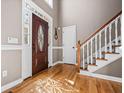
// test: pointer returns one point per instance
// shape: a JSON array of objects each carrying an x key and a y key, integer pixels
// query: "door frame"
[
  {"x": 75, "y": 37},
  {"x": 45, "y": 16}
]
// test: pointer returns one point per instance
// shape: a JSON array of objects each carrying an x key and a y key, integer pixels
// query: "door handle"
[{"x": 73, "y": 47}]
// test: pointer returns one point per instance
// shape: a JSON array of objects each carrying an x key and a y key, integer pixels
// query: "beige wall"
[
  {"x": 88, "y": 15},
  {"x": 11, "y": 20},
  {"x": 11, "y": 62},
  {"x": 113, "y": 69},
  {"x": 11, "y": 27}
]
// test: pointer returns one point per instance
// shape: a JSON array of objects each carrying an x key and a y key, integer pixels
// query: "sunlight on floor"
[{"x": 49, "y": 85}]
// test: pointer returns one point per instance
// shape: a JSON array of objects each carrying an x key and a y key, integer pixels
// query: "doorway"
[
  {"x": 69, "y": 44},
  {"x": 39, "y": 44}
]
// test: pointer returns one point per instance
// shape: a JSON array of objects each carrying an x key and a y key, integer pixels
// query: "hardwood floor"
[{"x": 64, "y": 78}]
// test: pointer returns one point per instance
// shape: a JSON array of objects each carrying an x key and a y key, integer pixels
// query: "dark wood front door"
[{"x": 39, "y": 44}]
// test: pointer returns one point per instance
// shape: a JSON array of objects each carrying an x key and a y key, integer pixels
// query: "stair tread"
[
  {"x": 110, "y": 52},
  {"x": 107, "y": 52},
  {"x": 83, "y": 69},
  {"x": 116, "y": 45},
  {"x": 115, "y": 53},
  {"x": 101, "y": 59},
  {"x": 92, "y": 65}
]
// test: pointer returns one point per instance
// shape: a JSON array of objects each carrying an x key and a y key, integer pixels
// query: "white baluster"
[
  {"x": 120, "y": 28},
  {"x": 106, "y": 39},
  {"x": 110, "y": 41},
  {"x": 100, "y": 55},
  {"x": 83, "y": 58},
  {"x": 91, "y": 51},
  {"x": 87, "y": 52},
  {"x": 116, "y": 31},
  {"x": 96, "y": 45}
]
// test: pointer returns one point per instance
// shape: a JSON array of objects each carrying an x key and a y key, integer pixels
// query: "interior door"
[
  {"x": 39, "y": 44},
  {"x": 69, "y": 44}
]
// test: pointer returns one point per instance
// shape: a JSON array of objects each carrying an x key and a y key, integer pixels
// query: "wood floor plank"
[
  {"x": 92, "y": 85},
  {"x": 84, "y": 84},
  {"x": 64, "y": 78},
  {"x": 105, "y": 86},
  {"x": 116, "y": 86}
]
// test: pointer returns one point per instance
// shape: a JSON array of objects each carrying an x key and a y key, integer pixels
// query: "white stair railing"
[
  {"x": 106, "y": 39},
  {"x": 110, "y": 41},
  {"x": 83, "y": 59},
  {"x": 116, "y": 31},
  {"x": 87, "y": 46},
  {"x": 91, "y": 57},
  {"x": 100, "y": 55},
  {"x": 96, "y": 46},
  {"x": 87, "y": 52}
]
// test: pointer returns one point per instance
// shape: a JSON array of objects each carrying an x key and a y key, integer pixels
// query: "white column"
[
  {"x": 87, "y": 52},
  {"x": 116, "y": 31},
  {"x": 100, "y": 56},
  {"x": 83, "y": 58},
  {"x": 96, "y": 45},
  {"x": 91, "y": 51},
  {"x": 106, "y": 39},
  {"x": 110, "y": 41}
]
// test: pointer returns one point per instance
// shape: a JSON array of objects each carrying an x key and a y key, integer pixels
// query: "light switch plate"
[
  {"x": 12, "y": 40},
  {"x": 4, "y": 73}
]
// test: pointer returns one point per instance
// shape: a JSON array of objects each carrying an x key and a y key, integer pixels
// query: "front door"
[{"x": 39, "y": 44}]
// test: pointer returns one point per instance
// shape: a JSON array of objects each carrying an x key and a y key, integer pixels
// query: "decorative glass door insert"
[{"x": 40, "y": 38}]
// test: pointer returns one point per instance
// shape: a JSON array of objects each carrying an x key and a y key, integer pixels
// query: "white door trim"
[{"x": 33, "y": 8}]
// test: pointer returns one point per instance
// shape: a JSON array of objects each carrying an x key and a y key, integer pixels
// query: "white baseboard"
[
  {"x": 57, "y": 62},
  {"x": 111, "y": 78},
  {"x": 10, "y": 85}
]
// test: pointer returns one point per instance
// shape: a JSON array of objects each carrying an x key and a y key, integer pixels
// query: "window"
[{"x": 50, "y": 3}]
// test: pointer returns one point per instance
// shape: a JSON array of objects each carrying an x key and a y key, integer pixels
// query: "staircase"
[{"x": 102, "y": 47}]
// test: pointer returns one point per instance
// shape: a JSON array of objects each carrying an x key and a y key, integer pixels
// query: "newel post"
[{"x": 78, "y": 55}]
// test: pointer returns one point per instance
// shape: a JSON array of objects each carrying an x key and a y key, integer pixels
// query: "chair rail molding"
[{"x": 11, "y": 47}]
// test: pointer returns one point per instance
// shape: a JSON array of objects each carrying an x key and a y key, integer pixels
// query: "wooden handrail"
[
  {"x": 78, "y": 55},
  {"x": 102, "y": 27}
]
